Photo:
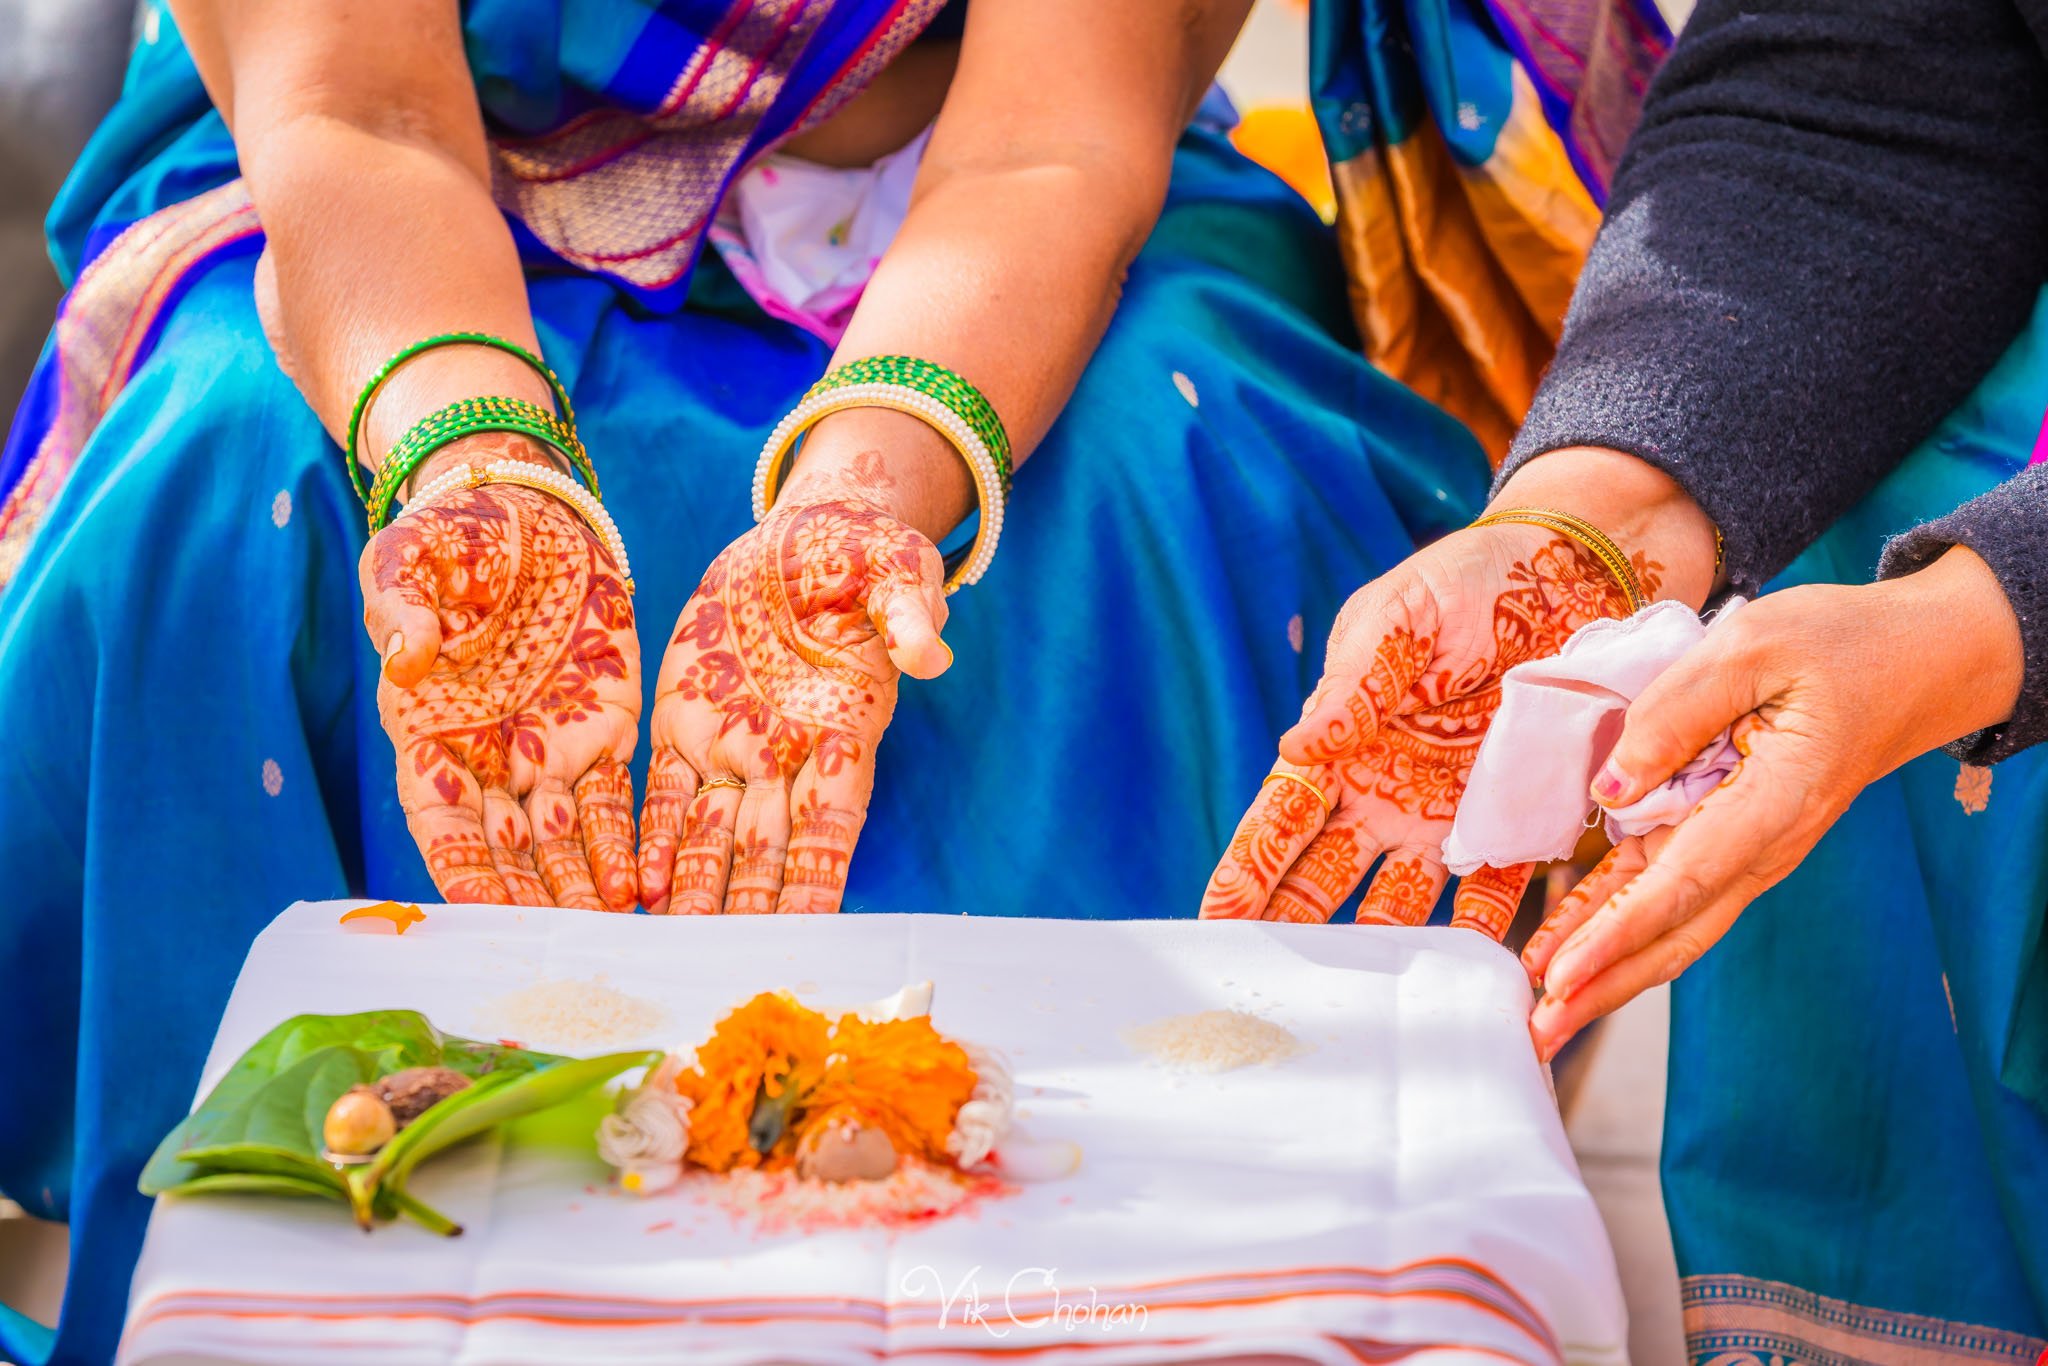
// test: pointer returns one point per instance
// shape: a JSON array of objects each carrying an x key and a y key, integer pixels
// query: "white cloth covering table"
[{"x": 1401, "y": 1191}]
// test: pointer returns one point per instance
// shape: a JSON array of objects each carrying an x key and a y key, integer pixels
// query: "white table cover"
[{"x": 1401, "y": 1191}]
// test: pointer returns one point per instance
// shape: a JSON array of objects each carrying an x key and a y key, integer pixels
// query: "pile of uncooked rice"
[
  {"x": 574, "y": 1014},
  {"x": 1214, "y": 1041}
]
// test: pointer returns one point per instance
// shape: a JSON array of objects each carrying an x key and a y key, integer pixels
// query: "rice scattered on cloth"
[
  {"x": 574, "y": 1013},
  {"x": 782, "y": 1202},
  {"x": 1214, "y": 1041}
]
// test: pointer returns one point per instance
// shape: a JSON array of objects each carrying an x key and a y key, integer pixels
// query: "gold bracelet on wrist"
[{"x": 1596, "y": 541}]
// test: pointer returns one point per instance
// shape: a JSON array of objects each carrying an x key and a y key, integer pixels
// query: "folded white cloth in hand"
[{"x": 1530, "y": 791}]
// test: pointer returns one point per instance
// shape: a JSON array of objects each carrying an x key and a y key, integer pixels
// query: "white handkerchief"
[{"x": 1529, "y": 794}]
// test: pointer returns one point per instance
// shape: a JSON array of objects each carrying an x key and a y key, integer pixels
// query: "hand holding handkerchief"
[{"x": 1529, "y": 795}]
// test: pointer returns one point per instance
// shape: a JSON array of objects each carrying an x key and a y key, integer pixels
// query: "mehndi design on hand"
[
  {"x": 1390, "y": 734},
  {"x": 511, "y": 692},
  {"x": 773, "y": 696}
]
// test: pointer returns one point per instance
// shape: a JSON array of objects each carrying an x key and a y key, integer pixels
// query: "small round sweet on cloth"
[{"x": 839, "y": 1148}]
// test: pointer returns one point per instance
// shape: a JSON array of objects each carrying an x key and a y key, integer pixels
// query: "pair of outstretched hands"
[{"x": 511, "y": 692}]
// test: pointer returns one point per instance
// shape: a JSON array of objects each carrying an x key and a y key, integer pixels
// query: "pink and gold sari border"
[
  {"x": 631, "y": 196},
  {"x": 107, "y": 317},
  {"x": 1739, "y": 1320}
]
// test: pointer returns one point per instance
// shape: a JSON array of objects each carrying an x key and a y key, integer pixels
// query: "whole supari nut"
[
  {"x": 414, "y": 1091},
  {"x": 839, "y": 1151},
  {"x": 358, "y": 1123}
]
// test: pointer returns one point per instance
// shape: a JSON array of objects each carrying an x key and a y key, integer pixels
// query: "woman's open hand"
[
  {"x": 511, "y": 691},
  {"x": 773, "y": 696},
  {"x": 1828, "y": 689},
  {"x": 1412, "y": 680}
]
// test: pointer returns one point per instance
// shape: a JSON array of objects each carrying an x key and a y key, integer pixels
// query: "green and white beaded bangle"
[
  {"x": 468, "y": 417},
  {"x": 822, "y": 402},
  {"x": 933, "y": 381},
  {"x": 546, "y": 480}
]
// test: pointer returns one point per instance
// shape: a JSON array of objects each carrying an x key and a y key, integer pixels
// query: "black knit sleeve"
[
  {"x": 2008, "y": 527},
  {"x": 1831, "y": 220}
]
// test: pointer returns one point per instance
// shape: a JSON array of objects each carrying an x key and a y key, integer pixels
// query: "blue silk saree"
[{"x": 193, "y": 740}]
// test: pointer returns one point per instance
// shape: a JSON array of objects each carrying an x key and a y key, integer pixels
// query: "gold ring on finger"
[
  {"x": 1281, "y": 774},
  {"x": 722, "y": 782}
]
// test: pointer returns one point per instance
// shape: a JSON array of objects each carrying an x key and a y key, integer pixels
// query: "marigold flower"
[
  {"x": 765, "y": 1047},
  {"x": 901, "y": 1075}
]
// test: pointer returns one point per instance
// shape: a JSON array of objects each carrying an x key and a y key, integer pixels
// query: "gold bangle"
[
  {"x": 1596, "y": 541},
  {"x": 1279, "y": 774}
]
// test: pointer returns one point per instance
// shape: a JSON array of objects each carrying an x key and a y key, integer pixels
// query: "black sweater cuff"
[{"x": 2008, "y": 528}]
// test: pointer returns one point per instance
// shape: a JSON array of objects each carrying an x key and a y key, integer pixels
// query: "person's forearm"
[
  {"x": 1007, "y": 277},
  {"x": 2007, "y": 529},
  {"x": 371, "y": 175},
  {"x": 1952, "y": 644},
  {"x": 375, "y": 244}
]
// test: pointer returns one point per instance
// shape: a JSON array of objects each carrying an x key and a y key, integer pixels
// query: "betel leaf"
[
  {"x": 262, "y": 1159},
  {"x": 479, "y": 1107},
  {"x": 259, "y": 1129},
  {"x": 254, "y": 1183},
  {"x": 276, "y": 1095},
  {"x": 471, "y": 1111}
]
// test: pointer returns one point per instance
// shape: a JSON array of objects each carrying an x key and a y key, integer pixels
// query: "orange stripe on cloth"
[
  {"x": 1256, "y": 1277},
  {"x": 1370, "y": 1351},
  {"x": 1492, "y": 1297},
  {"x": 1376, "y": 1354}
]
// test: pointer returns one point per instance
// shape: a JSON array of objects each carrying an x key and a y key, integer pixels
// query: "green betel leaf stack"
[{"x": 260, "y": 1129}]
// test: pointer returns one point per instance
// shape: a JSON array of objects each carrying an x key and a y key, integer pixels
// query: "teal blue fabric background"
[{"x": 1831, "y": 1124}]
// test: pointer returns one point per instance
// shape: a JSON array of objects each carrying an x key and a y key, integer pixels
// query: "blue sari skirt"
[
  {"x": 188, "y": 690},
  {"x": 1856, "y": 1140}
]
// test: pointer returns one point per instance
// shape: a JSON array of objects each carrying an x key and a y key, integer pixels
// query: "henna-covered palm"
[
  {"x": 1411, "y": 682},
  {"x": 782, "y": 676},
  {"x": 511, "y": 691}
]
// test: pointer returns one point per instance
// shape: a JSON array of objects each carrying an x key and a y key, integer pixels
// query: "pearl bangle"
[
  {"x": 544, "y": 479},
  {"x": 981, "y": 463}
]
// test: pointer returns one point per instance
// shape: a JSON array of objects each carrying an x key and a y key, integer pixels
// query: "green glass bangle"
[
  {"x": 467, "y": 417},
  {"x": 935, "y": 382},
  {"x": 369, "y": 391},
  {"x": 521, "y": 415}
]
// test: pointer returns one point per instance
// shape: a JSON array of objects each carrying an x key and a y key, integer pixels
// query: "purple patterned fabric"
[{"x": 1592, "y": 61}]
